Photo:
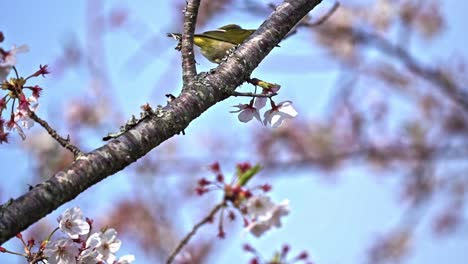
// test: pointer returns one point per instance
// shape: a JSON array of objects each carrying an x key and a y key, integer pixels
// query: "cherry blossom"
[
  {"x": 72, "y": 223},
  {"x": 106, "y": 243},
  {"x": 278, "y": 113},
  {"x": 247, "y": 112},
  {"x": 61, "y": 251}
]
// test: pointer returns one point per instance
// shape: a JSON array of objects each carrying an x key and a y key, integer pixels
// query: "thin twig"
[
  {"x": 324, "y": 18},
  {"x": 187, "y": 237},
  {"x": 188, "y": 58},
  {"x": 62, "y": 141},
  {"x": 304, "y": 22},
  {"x": 253, "y": 94}
]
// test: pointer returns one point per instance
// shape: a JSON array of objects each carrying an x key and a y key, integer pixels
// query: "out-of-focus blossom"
[
  {"x": 381, "y": 14},
  {"x": 259, "y": 205},
  {"x": 424, "y": 16},
  {"x": 337, "y": 33},
  {"x": 183, "y": 257},
  {"x": 8, "y": 59},
  {"x": 258, "y": 228},
  {"x": 127, "y": 259},
  {"x": 391, "y": 248},
  {"x": 267, "y": 217}
]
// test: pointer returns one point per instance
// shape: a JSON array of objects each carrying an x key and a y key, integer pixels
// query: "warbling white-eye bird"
[{"x": 215, "y": 43}]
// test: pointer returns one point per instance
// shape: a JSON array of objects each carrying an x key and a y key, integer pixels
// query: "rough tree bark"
[{"x": 198, "y": 95}]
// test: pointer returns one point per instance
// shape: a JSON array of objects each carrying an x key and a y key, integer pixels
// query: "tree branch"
[
  {"x": 325, "y": 17},
  {"x": 206, "y": 90},
  {"x": 64, "y": 142},
  {"x": 253, "y": 94},
  {"x": 188, "y": 58},
  {"x": 445, "y": 84}
]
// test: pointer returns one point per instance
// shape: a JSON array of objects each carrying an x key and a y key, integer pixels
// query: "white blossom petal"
[
  {"x": 127, "y": 259},
  {"x": 279, "y": 113},
  {"x": 287, "y": 108},
  {"x": 246, "y": 115},
  {"x": 94, "y": 240},
  {"x": 89, "y": 256},
  {"x": 276, "y": 120},
  {"x": 279, "y": 211},
  {"x": 240, "y": 106},
  {"x": 258, "y": 228},
  {"x": 260, "y": 102}
]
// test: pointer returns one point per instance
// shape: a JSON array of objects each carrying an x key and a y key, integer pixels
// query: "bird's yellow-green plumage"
[{"x": 215, "y": 43}]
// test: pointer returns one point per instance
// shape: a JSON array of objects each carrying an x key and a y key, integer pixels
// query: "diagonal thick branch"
[{"x": 206, "y": 90}]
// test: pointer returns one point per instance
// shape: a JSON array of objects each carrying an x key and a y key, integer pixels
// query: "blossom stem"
[
  {"x": 51, "y": 234},
  {"x": 14, "y": 253},
  {"x": 62, "y": 141},
  {"x": 16, "y": 72},
  {"x": 12, "y": 108},
  {"x": 187, "y": 237},
  {"x": 272, "y": 104}
]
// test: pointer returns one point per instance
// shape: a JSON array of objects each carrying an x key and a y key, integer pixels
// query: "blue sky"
[{"x": 334, "y": 222}]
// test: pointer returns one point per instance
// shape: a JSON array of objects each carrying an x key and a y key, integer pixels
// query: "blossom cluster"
[
  {"x": 274, "y": 117},
  {"x": 258, "y": 211},
  {"x": 77, "y": 245},
  {"x": 15, "y": 89}
]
